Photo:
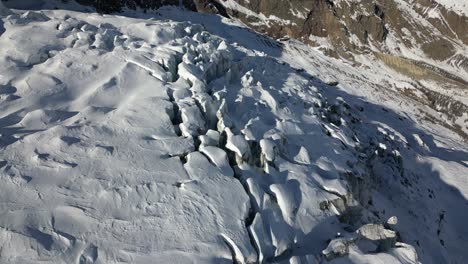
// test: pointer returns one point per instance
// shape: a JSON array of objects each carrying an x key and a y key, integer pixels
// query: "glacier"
[{"x": 178, "y": 137}]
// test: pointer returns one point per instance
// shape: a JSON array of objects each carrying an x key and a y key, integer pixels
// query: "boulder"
[
  {"x": 336, "y": 248},
  {"x": 382, "y": 238}
]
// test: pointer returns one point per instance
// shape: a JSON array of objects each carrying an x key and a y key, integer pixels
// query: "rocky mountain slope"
[
  {"x": 173, "y": 136},
  {"x": 424, "y": 40}
]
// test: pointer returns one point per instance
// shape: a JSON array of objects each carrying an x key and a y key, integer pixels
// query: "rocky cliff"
[{"x": 109, "y": 6}]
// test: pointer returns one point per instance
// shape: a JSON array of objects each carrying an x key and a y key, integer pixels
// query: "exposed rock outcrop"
[
  {"x": 370, "y": 238},
  {"x": 109, "y": 6},
  {"x": 383, "y": 239}
]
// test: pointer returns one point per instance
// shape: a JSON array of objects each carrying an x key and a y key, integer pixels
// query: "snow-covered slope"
[
  {"x": 455, "y": 5},
  {"x": 177, "y": 137},
  {"x": 421, "y": 43}
]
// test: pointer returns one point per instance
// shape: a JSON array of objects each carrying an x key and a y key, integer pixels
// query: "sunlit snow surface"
[
  {"x": 186, "y": 138},
  {"x": 459, "y": 6}
]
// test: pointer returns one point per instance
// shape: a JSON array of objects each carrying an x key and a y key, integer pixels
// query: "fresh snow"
[{"x": 177, "y": 137}]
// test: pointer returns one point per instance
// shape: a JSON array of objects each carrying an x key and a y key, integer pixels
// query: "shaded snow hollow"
[{"x": 127, "y": 140}]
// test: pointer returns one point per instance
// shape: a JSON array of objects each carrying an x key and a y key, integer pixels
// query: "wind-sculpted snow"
[
  {"x": 92, "y": 166},
  {"x": 127, "y": 140}
]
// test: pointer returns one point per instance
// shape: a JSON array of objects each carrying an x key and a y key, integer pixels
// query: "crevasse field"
[{"x": 177, "y": 137}]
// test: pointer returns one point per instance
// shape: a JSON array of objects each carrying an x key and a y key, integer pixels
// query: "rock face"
[
  {"x": 350, "y": 25},
  {"x": 109, "y": 6}
]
